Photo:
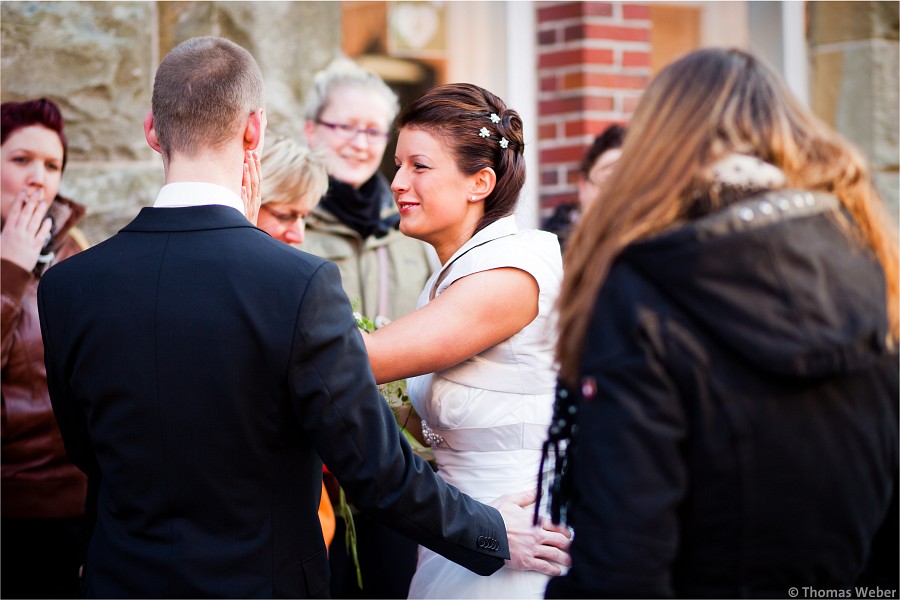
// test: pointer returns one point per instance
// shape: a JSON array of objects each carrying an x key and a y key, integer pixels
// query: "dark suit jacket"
[{"x": 199, "y": 369}]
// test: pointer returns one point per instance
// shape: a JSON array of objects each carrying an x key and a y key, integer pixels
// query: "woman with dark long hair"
[{"x": 727, "y": 352}]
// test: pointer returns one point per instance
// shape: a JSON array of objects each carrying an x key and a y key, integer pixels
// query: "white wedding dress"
[{"x": 487, "y": 417}]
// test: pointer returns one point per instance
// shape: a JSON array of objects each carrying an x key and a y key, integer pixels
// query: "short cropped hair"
[
  {"x": 344, "y": 72},
  {"x": 203, "y": 91},
  {"x": 43, "y": 112},
  {"x": 292, "y": 171}
]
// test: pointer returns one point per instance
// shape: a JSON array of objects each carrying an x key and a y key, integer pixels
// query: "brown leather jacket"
[{"x": 37, "y": 479}]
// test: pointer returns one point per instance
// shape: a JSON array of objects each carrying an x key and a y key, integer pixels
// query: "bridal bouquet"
[{"x": 394, "y": 393}]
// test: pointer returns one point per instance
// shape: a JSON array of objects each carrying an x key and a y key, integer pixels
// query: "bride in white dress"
[{"x": 478, "y": 353}]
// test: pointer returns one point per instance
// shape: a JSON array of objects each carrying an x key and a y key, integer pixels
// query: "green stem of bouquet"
[
  {"x": 349, "y": 534},
  {"x": 395, "y": 395}
]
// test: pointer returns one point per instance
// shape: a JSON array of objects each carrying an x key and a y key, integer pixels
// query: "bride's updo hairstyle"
[{"x": 461, "y": 115}]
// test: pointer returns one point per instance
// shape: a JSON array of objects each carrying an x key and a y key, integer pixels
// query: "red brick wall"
[{"x": 593, "y": 63}]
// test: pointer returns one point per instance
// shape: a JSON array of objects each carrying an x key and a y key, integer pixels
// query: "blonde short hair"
[{"x": 292, "y": 171}]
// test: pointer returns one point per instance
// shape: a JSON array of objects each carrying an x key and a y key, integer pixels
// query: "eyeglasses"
[
  {"x": 349, "y": 132},
  {"x": 286, "y": 219}
]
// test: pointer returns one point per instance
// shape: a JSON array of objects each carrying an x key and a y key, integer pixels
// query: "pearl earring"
[{"x": 474, "y": 198}]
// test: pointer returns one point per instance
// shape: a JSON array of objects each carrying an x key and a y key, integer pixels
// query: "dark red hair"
[{"x": 16, "y": 115}]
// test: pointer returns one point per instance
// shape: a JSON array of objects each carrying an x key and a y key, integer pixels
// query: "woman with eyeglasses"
[
  {"x": 296, "y": 179},
  {"x": 349, "y": 114}
]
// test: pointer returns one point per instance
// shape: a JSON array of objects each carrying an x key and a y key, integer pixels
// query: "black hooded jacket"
[{"x": 737, "y": 422}]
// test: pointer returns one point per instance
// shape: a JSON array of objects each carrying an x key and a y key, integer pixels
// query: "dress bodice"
[{"x": 488, "y": 416}]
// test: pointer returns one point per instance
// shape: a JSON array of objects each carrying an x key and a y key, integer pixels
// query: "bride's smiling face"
[{"x": 431, "y": 193}]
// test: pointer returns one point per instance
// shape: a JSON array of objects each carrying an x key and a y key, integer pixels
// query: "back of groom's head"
[{"x": 203, "y": 92}]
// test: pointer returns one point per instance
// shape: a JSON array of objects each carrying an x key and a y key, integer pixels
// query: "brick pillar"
[{"x": 593, "y": 63}]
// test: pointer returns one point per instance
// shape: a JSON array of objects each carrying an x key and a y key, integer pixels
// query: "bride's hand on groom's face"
[
  {"x": 251, "y": 186},
  {"x": 531, "y": 548}
]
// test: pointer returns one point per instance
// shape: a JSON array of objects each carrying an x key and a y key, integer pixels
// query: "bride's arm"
[{"x": 474, "y": 313}]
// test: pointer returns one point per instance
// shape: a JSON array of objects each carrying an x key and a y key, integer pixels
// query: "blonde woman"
[
  {"x": 295, "y": 180},
  {"x": 728, "y": 354},
  {"x": 349, "y": 117}
]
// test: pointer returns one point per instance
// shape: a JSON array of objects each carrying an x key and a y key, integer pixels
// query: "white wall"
[{"x": 492, "y": 44}]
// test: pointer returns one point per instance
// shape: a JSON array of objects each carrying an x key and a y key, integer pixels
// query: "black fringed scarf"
[{"x": 360, "y": 209}]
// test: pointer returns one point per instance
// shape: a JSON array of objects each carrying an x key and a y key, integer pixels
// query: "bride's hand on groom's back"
[{"x": 542, "y": 548}]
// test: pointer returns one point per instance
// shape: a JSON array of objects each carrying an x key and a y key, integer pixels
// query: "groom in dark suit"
[{"x": 199, "y": 369}]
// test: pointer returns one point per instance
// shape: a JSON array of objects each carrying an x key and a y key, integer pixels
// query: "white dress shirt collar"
[{"x": 196, "y": 193}]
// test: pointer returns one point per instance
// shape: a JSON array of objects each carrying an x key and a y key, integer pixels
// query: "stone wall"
[
  {"x": 854, "y": 81},
  {"x": 98, "y": 59}
]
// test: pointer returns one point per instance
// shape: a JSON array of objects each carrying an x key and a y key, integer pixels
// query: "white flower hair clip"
[{"x": 485, "y": 132}]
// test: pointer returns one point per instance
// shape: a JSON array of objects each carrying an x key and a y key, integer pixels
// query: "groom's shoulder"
[
  {"x": 287, "y": 256},
  {"x": 289, "y": 267},
  {"x": 249, "y": 250}
]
